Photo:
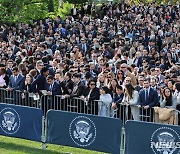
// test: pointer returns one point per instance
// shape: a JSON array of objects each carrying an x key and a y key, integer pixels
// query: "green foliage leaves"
[
  {"x": 65, "y": 10},
  {"x": 33, "y": 11},
  {"x": 26, "y": 11},
  {"x": 9, "y": 9},
  {"x": 13, "y": 11},
  {"x": 76, "y": 1}
]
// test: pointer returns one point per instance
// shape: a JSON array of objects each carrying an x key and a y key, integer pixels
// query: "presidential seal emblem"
[
  {"x": 9, "y": 121},
  {"x": 165, "y": 140},
  {"x": 82, "y": 131}
]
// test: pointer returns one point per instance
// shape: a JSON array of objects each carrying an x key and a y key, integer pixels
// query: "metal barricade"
[
  {"x": 47, "y": 102},
  {"x": 123, "y": 112},
  {"x": 64, "y": 104},
  {"x": 146, "y": 115},
  {"x": 68, "y": 104},
  {"x": 3, "y": 95},
  {"x": 18, "y": 97},
  {"x": 77, "y": 105},
  {"x": 133, "y": 112},
  {"x": 92, "y": 107}
]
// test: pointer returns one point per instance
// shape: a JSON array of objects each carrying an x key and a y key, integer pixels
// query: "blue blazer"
[
  {"x": 152, "y": 100},
  {"x": 18, "y": 84},
  {"x": 56, "y": 89},
  {"x": 118, "y": 99},
  {"x": 39, "y": 84},
  {"x": 51, "y": 71},
  {"x": 9, "y": 72},
  {"x": 139, "y": 63}
]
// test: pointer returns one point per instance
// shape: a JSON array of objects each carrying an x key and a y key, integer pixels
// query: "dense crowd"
[{"x": 118, "y": 54}]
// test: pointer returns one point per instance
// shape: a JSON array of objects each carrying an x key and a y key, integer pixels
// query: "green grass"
[{"x": 9, "y": 145}]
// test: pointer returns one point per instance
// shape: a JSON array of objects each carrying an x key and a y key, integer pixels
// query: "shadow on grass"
[{"x": 26, "y": 149}]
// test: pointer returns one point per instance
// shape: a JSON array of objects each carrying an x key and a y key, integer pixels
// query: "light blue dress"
[{"x": 105, "y": 105}]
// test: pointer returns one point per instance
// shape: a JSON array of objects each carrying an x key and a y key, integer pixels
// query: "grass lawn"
[{"x": 20, "y": 146}]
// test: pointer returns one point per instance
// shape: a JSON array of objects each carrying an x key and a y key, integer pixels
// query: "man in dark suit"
[
  {"x": 174, "y": 54},
  {"x": 78, "y": 90},
  {"x": 52, "y": 70},
  {"x": 148, "y": 98},
  {"x": 159, "y": 75},
  {"x": 140, "y": 83},
  {"x": 39, "y": 66},
  {"x": 93, "y": 72},
  {"x": 15, "y": 80},
  {"x": 67, "y": 85},
  {"x": 84, "y": 46},
  {"x": 153, "y": 83},
  {"x": 94, "y": 59},
  {"x": 10, "y": 54},
  {"x": 9, "y": 67},
  {"x": 117, "y": 99},
  {"x": 15, "y": 49},
  {"x": 144, "y": 57},
  {"x": 39, "y": 83},
  {"x": 53, "y": 88}
]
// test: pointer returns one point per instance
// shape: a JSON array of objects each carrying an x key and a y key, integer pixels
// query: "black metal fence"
[{"x": 46, "y": 102}]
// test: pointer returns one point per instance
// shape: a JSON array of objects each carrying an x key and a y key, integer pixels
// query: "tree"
[
  {"x": 23, "y": 10},
  {"x": 76, "y": 1},
  {"x": 26, "y": 11}
]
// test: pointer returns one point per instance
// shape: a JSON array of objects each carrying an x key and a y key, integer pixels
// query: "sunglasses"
[{"x": 92, "y": 84}]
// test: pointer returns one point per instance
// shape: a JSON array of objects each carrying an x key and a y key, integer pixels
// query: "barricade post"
[
  {"x": 43, "y": 133},
  {"x": 21, "y": 122},
  {"x": 84, "y": 131},
  {"x": 150, "y": 138}
]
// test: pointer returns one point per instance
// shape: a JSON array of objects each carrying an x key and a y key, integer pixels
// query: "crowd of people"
[{"x": 118, "y": 54}]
